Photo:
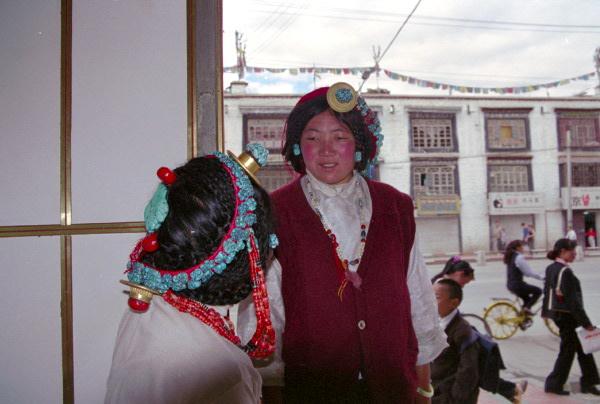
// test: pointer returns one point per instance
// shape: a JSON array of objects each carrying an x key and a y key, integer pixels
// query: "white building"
[{"x": 467, "y": 161}]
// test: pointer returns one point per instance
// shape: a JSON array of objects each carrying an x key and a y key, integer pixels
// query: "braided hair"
[{"x": 201, "y": 207}]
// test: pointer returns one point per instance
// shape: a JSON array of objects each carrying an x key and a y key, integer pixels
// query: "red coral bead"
[
  {"x": 166, "y": 175},
  {"x": 150, "y": 242},
  {"x": 138, "y": 305}
]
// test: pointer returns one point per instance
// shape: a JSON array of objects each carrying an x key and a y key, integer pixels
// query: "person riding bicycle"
[{"x": 516, "y": 268}]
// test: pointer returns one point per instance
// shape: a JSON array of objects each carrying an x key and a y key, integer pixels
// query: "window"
[
  {"x": 507, "y": 130},
  {"x": 432, "y": 132},
  {"x": 434, "y": 180},
  {"x": 585, "y": 133},
  {"x": 267, "y": 129},
  {"x": 584, "y": 175},
  {"x": 509, "y": 178}
]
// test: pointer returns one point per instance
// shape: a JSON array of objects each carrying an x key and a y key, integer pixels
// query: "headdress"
[
  {"x": 146, "y": 280},
  {"x": 342, "y": 98}
]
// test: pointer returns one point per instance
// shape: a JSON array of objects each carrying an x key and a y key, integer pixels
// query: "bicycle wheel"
[
  {"x": 476, "y": 320},
  {"x": 503, "y": 319},
  {"x": 552, "y": 326}
]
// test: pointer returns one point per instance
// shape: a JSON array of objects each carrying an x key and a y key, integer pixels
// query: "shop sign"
[
  {"x": 581, "y": 198},
  {"x": 435, "y": 205},
  {"x": 515, "y": 203}
]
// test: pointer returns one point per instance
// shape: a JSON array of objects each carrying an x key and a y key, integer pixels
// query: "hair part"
[{"x": 307, "y": 110}]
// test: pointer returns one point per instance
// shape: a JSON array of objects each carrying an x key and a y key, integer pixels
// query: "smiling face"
[{"x": 328, "y": 148}]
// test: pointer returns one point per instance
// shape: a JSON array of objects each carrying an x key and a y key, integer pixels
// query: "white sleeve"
[
  {"x": 426, "y": 321},
  {"x": 524, "y": 267},
  {"x": 271, "y": 369}
]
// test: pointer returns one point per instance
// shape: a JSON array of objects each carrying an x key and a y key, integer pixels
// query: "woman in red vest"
[{"x": 361, "y": 323}]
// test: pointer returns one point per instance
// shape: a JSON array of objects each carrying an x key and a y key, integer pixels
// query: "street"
[{"x": 530, "y": 354}]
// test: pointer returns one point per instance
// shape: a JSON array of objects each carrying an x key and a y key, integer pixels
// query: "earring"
[
  {"x": 296, "y": 149},
  {"x": 357, "y": 156}
]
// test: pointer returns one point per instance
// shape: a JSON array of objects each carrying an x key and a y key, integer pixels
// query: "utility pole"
[
  {"x": 240, "y": 48},
  {"x": 377, "y": 58},
  {"x": 569, "y": 182}
]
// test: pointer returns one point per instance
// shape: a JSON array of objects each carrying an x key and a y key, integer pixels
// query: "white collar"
[
  {"x": 345, "y": 189},
  {"x": 444, "y": 321}
]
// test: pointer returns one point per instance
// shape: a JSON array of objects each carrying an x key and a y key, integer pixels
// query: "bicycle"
[{"x": 505, "y": 316}]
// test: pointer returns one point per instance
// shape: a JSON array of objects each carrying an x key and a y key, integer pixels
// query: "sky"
[{"x": 477, "y": 43}]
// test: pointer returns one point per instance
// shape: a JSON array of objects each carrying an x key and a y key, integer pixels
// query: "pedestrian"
[
  {"x": 571, "y": 235},
  {"x": 530, "y": 237},
  {"x": 462, "y": 273},
  {"x": 590, "y": 234},
  {"x": 361, "y": 324},
  {"x": 517, "y": 267},
  {"x": 499, "y": 236},
  {"x": 455, "y": 373},
  {"x": 563, "y": 303},
  {"x": 209, "y": 236}
]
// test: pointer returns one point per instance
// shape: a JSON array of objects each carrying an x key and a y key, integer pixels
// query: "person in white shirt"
[{"x": 571, "y": 234}]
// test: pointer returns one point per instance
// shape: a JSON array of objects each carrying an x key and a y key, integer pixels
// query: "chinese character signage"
[
  {"x": 515, "y": 203},
  {"x": 435, "y": 205},
  {"x": 581, "y": 198}
]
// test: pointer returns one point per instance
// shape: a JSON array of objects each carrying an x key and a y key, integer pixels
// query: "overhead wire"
[{"x": 368, "y": 73}]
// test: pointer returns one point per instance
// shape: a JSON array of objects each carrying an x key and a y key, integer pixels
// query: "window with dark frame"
[
  {"x": 509, "y": 178},
  {"x": 584, "y": 126},
  {"x": 432, "y": 132},
  {"x": 267, "y": 129},
  {"x": 507, "y": 130},
  {"x": 434, "y": 179},
  {"x": 583, "y": 175}
]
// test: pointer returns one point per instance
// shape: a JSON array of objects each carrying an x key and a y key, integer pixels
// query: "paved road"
[{"x": 530, "y": 355}]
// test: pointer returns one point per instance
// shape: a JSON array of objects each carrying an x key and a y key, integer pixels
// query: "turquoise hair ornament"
[
  {"x": 357, "y": 156},
  {"x": 157, "y": 209},
  {"x": 296, "y": 149}
]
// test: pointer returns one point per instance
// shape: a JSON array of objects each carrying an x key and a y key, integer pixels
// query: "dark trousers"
[
  {"x": 507, "y": 389},
  {"x": 569, "y": 345},
  {"x": 529, "y": 293}
]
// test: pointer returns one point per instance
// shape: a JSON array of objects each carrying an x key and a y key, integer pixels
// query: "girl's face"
[
  {"x": 520, "y": 248},
  {"x": 328, "y": 148},
  {"x": 568, "y": 255},
  {"x": 460, "y": 277}
]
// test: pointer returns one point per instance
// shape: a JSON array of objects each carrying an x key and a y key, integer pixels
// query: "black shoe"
[
  {"x": 590, "y": 390},
  {"x": 558, "y": 392}
]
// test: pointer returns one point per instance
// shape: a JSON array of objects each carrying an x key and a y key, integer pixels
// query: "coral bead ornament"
[
  {"x": 166, "y": 175},
  {"x": 150, "y": 243},
  {"x": 139, "y": 296}
]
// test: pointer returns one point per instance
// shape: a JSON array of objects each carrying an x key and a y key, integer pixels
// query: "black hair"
[
  {"x": 304, "y": 112},
  {"x": 201, "y": 206},
  {"x": 511, "y": 250},
  {"x": 454, "y": 289},
  {"x": 455, "y": 265},
  {"x": 561, "y": 244}
]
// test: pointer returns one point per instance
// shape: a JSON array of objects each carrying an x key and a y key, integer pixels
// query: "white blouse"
[{"x": 339, "y": 206}]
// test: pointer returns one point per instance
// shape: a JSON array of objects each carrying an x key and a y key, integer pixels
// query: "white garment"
[
  {"x": 571, "y": 235},
  {"x": 525, "y": 268},
  {"x": 339, "y": 206},
  {"x": 165, "y": 356},
  {"x": 444, "y": 321}
]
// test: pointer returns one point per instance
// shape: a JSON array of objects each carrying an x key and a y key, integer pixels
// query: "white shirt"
[
  {"x": 338, "y": 204},
  {"x": 444, "y": 321},
  {"x": 571, "y": 235},
  {"x": 165, "y": 356}
]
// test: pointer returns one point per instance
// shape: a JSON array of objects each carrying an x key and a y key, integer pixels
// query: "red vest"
[{"x": 328, "y": 342}]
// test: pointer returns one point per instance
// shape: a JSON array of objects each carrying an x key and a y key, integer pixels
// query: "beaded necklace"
[
  {"x": 262, "y": 343},
  {"x": 342, "y": 265}
]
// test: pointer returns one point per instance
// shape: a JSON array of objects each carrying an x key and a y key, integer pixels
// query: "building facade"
[{"x": 471, "y": 164}]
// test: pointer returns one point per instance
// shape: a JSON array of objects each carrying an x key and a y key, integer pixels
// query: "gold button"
[{"x": 362, "y": 325}]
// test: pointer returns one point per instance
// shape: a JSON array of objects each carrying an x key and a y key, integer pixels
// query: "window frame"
[
  {"x": 414, "y": 115},
  {"x": 496, "y": 114}
]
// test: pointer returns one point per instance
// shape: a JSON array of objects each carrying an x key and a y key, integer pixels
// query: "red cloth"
[{"x": 324, "y": 348}]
